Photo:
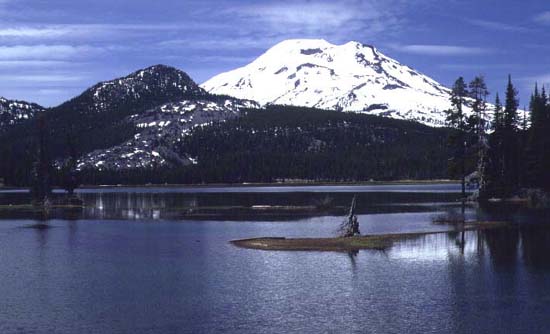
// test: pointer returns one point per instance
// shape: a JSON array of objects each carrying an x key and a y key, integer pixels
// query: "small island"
[
  {"x": 350, "y": 238},
  {"x": 348, "y": 244}
]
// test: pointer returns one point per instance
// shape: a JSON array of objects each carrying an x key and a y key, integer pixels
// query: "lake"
[{"x": 132, "y": 262}]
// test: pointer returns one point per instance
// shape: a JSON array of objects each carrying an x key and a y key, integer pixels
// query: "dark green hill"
[{"x": 283, "y": 143}]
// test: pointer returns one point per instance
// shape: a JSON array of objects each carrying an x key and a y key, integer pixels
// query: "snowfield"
[{"x": 350, "y": 77}]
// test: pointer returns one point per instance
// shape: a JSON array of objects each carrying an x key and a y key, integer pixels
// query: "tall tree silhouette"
[
  {"x": 510, "y": 140},
  {"x": 479, "y": 93},
  {"x": 494, "y": 173},
  {"x": 458, "y": 140},
  {"x": 42, "y": 168}
]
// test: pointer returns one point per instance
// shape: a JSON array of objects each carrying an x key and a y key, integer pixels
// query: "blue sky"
[{"x": 51, "y": 50}]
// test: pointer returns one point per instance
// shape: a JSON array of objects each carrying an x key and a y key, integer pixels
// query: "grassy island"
[{"x": 341, "y": 244}]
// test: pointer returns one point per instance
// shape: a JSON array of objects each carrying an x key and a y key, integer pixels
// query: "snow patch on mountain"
[
  {"x": 161, "y": 131},
  {"x": 350, "y": 77},
  {"x": 13, "y": 112}
]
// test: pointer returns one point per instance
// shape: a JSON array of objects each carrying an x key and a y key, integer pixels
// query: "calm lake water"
[{"x": 132, "y": 263}]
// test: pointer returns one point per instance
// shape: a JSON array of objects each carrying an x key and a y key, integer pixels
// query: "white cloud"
[
  {"x": 36, "y": 32},
  {"x": 498, "y": 26},
  {"x": 253, "y": 25},
  {"x": 543, "y": 18},
  {"x": 34, "y": 63},
  {"x": 92, "y": 31},
  {"x": 328, "y": 19},
  {"x": 43, "y": 78},
  {"x": 441, "y": 50},
  {"x": 222, "y": 59},
  {"x": 306, "y": 14},
  {"x": 238, "y": 43},
  {"x": 47, "y": 52}
]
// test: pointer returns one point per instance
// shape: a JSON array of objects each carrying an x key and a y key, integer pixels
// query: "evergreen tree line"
[
  {"x": 290, "y": 143},
  {"x": 506, "y": 153}
]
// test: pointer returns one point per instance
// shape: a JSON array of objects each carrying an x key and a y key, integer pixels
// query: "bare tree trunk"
[{"x": 350, "y": 226}]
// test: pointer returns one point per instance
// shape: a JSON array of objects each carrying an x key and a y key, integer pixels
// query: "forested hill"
[
  {"x": 102, "y": 117},
  {"x": 97, "y": 115},
  {"x": 158, "y": 126},
  {"x": 292, "y": 143}
]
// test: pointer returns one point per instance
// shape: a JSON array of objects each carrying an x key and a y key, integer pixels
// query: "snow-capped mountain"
[
  {"x": 161, "y": 130},
  {"x": 13, "y": 112},
  {"x": 350, "y": 77}
]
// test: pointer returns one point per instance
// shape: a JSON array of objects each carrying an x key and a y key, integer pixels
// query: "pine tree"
[
  {"x": 69, "y": 172},
  {"x": 545, "y": 145},
  {"x": 479, "y": 93},
  {"x": 511, "y": 107},
  {"x": 498, "y": 119},
  {"x": 458, "y": 140},
  {"x": 41, "y": 173},
  {"x": 455, "y": 117},
  {"x": 510, "y": 140},
  {"x": 536, "y": 164},
  {"x": 494, "y": 173}
]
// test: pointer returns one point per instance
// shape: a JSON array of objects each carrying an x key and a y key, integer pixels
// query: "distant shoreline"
[
  {"x": 273, "y": 184},
  {"x": 252, "y": 184}
]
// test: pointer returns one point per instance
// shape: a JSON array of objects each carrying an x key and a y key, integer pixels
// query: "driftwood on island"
[{"x": 350, "y": 226}]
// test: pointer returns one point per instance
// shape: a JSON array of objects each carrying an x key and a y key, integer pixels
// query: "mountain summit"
[
  {"x": 349, "y": 77},
  {"x": 142, "y": 89}
]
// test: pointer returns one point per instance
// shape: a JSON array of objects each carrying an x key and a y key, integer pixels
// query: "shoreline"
[
  {"x": 340, "y": 244},
  {"x": 258, "y": 184},
  {"x": 278, "y": 184}
]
